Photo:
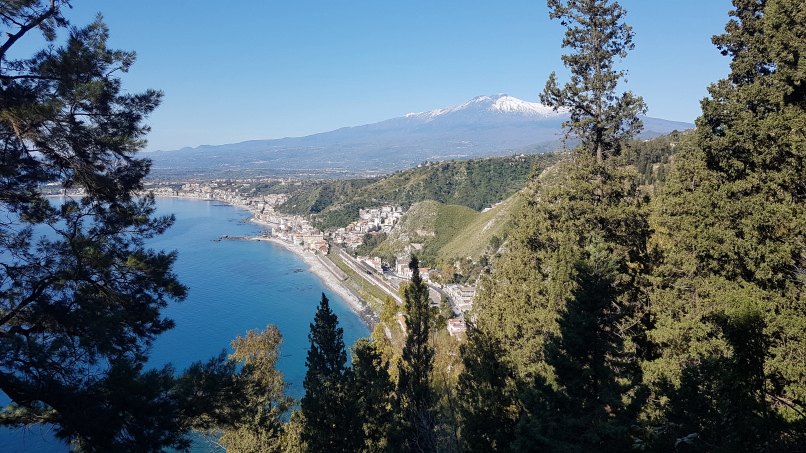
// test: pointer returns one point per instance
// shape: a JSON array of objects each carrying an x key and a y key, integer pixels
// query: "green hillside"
[
  {"x": 443, "y": 234},
  {"x": 475, "y": 184},
  {"x": 425, "y": 229},
  {"x": 484, "y": 234}
]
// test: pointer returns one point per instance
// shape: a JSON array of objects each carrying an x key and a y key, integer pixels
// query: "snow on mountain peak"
[{"x": 500, "y": 103}]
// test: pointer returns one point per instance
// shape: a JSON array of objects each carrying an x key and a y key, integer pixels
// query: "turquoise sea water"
[{"x": 235, "y": 286}]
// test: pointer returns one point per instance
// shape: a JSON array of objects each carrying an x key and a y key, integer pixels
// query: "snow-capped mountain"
[
  {"x": 482, "y": 127},
  {"x": 490, "y": 106}
]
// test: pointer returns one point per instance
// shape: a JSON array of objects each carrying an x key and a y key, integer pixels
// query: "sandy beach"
[{"x": 331, "y": 276}]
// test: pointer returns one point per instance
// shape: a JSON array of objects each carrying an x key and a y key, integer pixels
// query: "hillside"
[
  {"x": 441, "y": 231},
  {"x": 475, "y": 184},
  {"x": 426, "y": 228},
  {"x": 444, "y": 234},
  {"x": 484, "y": 234}
]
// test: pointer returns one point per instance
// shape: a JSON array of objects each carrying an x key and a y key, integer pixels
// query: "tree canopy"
[
  {"x": 415, "y": 369},
  {"x": 597, "y": 37},
  {"x": 324, "y": 406},
  {"x": 730, "y": 231},
  {"x": 80, "y": 292}
]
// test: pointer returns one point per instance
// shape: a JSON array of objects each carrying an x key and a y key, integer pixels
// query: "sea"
[{"x": 234, "y": 286}]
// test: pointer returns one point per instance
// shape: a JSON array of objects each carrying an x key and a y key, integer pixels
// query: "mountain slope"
[
  {"x": 437, "y": 232},
  {"x": 475, "y": 183},
  {"x": 482, "y": 127}
]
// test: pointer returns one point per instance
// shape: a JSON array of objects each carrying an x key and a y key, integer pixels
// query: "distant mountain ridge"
[
  {"x": 482, "y": 127},
  {"x": 501, "y": 104}
]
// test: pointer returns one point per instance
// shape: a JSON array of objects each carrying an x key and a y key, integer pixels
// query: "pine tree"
[
  {"x": 730, "y": 227},
  {"x": 591, "y": 362},
  {"x": 576, "y": 253},
  {"x": 415, "y": 368},
  {"x": 600, "y": 117},
  {"x": 325, "y": 405},
  {"x": 80, "y": 307}
]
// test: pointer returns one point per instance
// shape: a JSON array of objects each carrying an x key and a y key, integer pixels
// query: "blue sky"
[{"x": 236, "y": 71}]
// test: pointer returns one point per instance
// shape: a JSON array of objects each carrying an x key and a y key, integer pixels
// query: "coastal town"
[{"x": 298, "y": 235}]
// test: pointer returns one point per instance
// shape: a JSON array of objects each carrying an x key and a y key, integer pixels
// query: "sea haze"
[{"x": 235, "y": 286}]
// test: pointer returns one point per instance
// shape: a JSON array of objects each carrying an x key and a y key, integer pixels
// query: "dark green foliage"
[
  {"x": 369, "y": 243},
  {"x": 318, "y": 196},
  {"x": 596, "y": 36},
  {"x": 730, "y": 232},
  {"x": 587, "y": 354},
  {"x": 371, "y": 391},
  {"x": 652, "y": 158},
  {"x": 416, "y": 366},
  {"x": 80, "y": 306},
  {"x": 566, "y": 302},
  {"x": 127, "y": 410},
  {"x": 592, "y": 368},
  {"x": 488, "y": 404},
  {"x": 325, "y": 405},
  {"x": 474, "y": 183},
  {"x": 338, "y": 216},
  {"x": 210, "y": 394},
  {"x": 445, "y": 310},
  {"x": 722, "y": 398}
]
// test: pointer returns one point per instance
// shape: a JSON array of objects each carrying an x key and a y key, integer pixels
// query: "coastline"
[{"x": 332, "y": 281}]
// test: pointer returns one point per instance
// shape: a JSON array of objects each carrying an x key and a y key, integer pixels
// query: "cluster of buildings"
[
  {"x": 294, "y": 229},
  {"x": 456, "y": 326},
  {"x": 462, "y": 296},
  {"x": 402, "y": 270},
  {"x": 297, "y": 230},
  {"x": 221, "y": 191},
  {"x": 373, "y": 262},
  {"x": 370, "y": 221},
  {"x": 380, "y": 219}
]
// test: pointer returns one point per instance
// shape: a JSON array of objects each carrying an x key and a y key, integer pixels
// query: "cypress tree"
[
  {"x": 324, "y": 406},
  {"x": 414, "y": 373},
  {"x": 371, "y": 391},
  {"x": 730, "y": 226},
  {"x": 576, "y": 253}
]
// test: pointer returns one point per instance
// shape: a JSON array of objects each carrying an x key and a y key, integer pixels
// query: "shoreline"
[
  {"x": 315, "y": 266},
  {"x": 333, "y": 282}
]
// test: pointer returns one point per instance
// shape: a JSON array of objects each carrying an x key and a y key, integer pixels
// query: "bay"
[{"x": 235, "y": 286}]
